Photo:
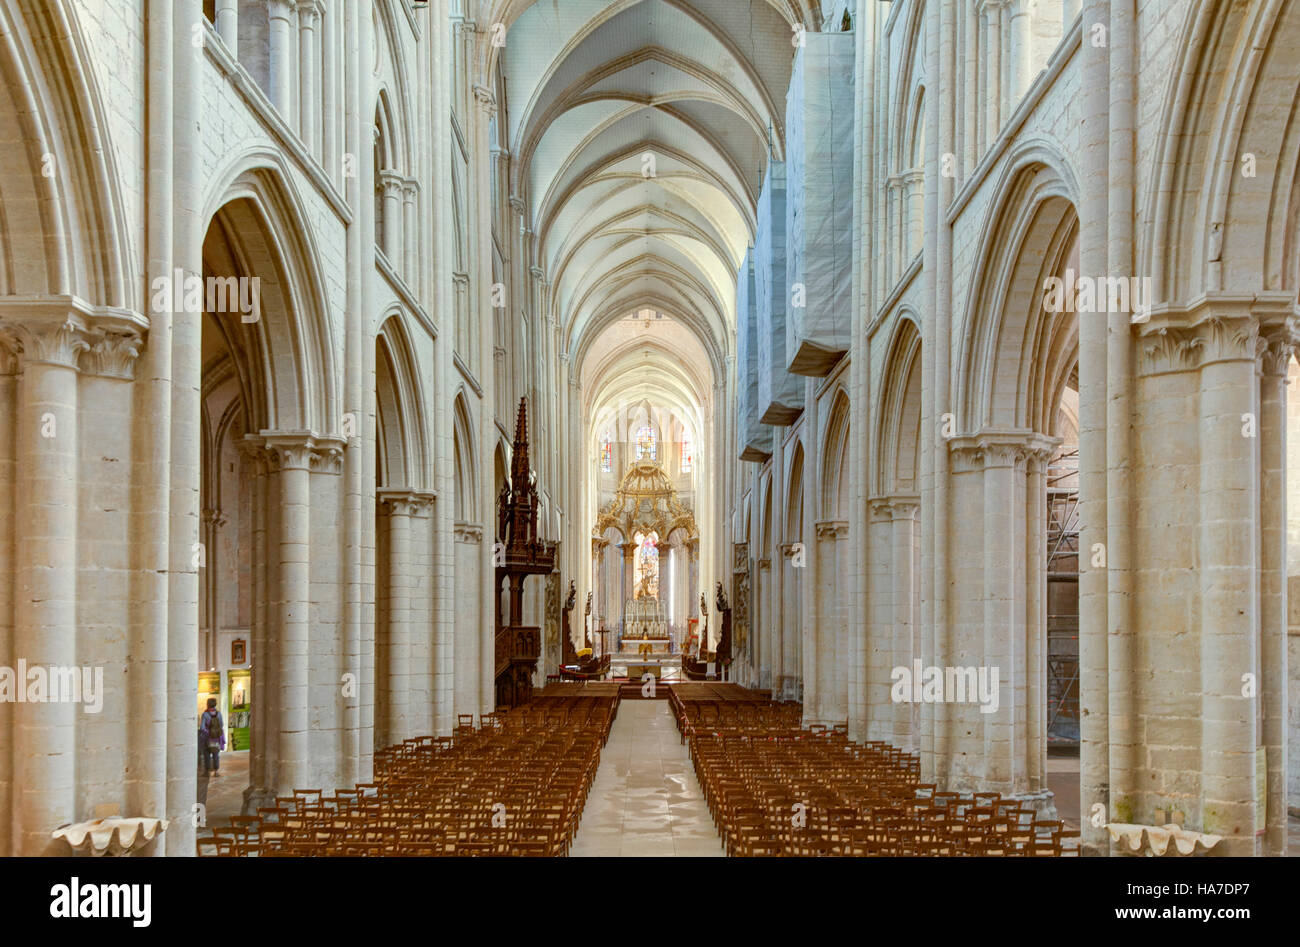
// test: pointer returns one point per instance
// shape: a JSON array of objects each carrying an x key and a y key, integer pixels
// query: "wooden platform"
[
  {"x": 580, "y": 689},
  {"x": 720, "y": 690}
]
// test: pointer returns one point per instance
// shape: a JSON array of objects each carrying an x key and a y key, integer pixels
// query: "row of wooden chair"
[
  {"x": 514, "y": 785},
  {"x": 775, "y": 788}
]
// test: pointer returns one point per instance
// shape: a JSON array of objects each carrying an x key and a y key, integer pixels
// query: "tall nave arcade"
[{"x": 658, "y": 414}]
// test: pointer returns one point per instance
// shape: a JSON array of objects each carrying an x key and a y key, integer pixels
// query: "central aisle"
[{"x": 645, "y": 799}]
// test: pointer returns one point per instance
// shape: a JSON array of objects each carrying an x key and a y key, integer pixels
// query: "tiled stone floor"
[
  {"x": 224, "y": 796},
  {"x": 645, "y": 800}
]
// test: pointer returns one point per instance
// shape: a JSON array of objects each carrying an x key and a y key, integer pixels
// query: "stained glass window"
[
  {"x": 688, "y": 450},
  {"x": 606, "y": 456},
  {"x": 646, "y": 446},
  {"x": 647, "y": 567}
]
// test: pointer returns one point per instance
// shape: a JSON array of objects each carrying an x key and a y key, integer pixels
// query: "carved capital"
[
  {"x": 113, "y": 355},
  {"x": 832, "y": 530},
  {"x": 47, "y": 343},
  {"x": 392, "y": 183},
  {"x": 1278, "y": 348},
  {"x": 999, "y": 447},
  {"x": 487, "y": 101},
  {"x": 290, "y": 456},
  {"x": 11, "y": 353},
  {"x": 965, "y": 458},
  {"x": 905, "y": 509},
  {"x": 468, "y": 533},
  {"x": 397, "y": 500},
  {"x": 1003, "y": 455},
  {"x": 309, "y": 13},
  {"x": 327, "y": 455},
  {"x": 303, "y": 450},
  {"x": 252, "y": 448},
  {"x": 1215, "y": 329}
]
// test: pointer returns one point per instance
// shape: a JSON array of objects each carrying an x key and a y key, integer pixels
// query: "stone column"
[
  {"x": 985, "y": 110},
  {"x": 309, "y": 64},
  {"x": 426, "y": 630},
  {"x": 280, "y": 54},
  {"x": 598, "y": 588},
  {"x": 880, "y": 658},
  {"x": 790, "y": 611},
  {"x": 776, "y": 612},
  {"x": 997, "y": 84},
  {"x": 693, "y": 578},
  {"x": 401, "y": 507},
  {"x": 291, "y": 460},
  {"x": 227, "y": 24},
  {"x": 894, "y": 216},
  {"x": 329, "y": 94},
  {"x": 1020, "y": 50},
  {"x": 45, "y": 579},
  {"x": 667, "y": 583},
  {"x": 410, "y": 243},
  {"x": 903, "y": 515},
  {"x": 392, "y": 184},
  {"x": 1003, "y": 578},
  {"x": 1229, "y": 563},
  {"x": 970, "y": 69},
  {"x": 1273, "y": 672},
  {"x": 760, "y": 623},
  {"x": 831, "y": 650},
  {"x": 1004, "y": 587},
  {"x": 213, "y": 521},
  {"x": 629, "y": 572},
  {"x": 1096, "y": 781},
  {"x": 1035, "y": 738},
  {"x": 260, "y": 791},
  {"x": 914, "y": 201},
  {"x": 472, "y": 616}
]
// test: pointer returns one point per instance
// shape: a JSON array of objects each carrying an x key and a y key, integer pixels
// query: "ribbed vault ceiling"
[{"x": 594, "y": 87}]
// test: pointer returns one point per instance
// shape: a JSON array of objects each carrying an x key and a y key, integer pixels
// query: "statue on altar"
[{"x": 645, "y": 624}]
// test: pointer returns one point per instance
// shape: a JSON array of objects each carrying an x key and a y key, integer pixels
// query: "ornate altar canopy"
[
  {"x": 646, "y": 505},
  {"x": 646, "y": 502}
]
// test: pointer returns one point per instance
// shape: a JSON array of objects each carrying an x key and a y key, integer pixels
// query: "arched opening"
[
  {"x": 472, "y": 533},
  {"x": 833, "y": 648},
  {"x": 264, "y": 372},
  {"x": 1019, "y": 367},
  {"x": 793, "y": 560},
  {"x": 403, "y": 538},
  {"x": 895, "y": 525}
]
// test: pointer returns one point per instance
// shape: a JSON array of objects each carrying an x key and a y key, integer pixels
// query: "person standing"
[{"x": 212, "y": 739}]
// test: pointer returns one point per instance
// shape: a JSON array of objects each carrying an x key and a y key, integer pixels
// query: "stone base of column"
[
  {"x": 257, "y": 797},
  {"x": 1042, "y": 801}
]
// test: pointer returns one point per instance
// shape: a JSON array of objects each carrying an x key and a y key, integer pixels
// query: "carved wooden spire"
[{"x": 519, "y": 467}]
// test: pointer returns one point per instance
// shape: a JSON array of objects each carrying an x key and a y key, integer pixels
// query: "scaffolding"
[{"x": 1063, "y": 600}]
